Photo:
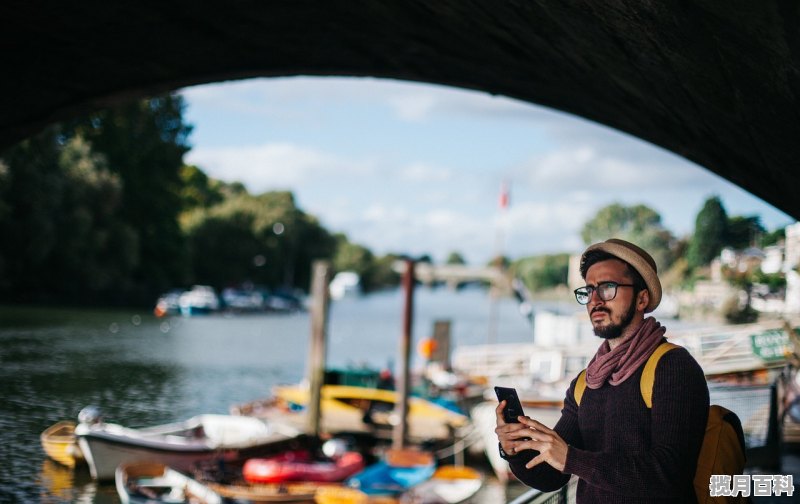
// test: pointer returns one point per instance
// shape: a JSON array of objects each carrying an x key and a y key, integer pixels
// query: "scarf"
[{"x": 619, "y": 364}]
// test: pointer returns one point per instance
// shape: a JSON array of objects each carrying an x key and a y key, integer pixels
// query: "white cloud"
[
  {"x": 423, "y": 172},
  {"x": 278, "y": 165}
]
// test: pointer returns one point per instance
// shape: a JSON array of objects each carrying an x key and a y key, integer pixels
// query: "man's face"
[{"x": 611, "y": 318}]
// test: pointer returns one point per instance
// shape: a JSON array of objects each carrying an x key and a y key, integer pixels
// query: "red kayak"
[{"x": 300, "y": 466}]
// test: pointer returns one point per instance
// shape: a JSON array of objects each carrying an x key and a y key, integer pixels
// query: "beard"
[{"x": 613, "y": 330}]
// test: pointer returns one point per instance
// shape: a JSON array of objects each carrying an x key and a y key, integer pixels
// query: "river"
[{"x": 141, "y": 370}]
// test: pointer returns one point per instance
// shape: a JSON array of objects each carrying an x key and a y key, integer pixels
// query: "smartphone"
[{"x": 513, "y": 407}]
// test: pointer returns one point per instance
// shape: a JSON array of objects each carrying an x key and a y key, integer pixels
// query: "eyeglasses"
[{"x": 605, "y": 290}]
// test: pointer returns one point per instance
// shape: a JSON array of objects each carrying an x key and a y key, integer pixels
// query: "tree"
[
  {"x": 743, "y": 232},
  {"x": 144, "y": 142},
  {"x": 638, "y": 224},
  {"x": 63, "y": 208},
  {"x": 710, "y": 233},
  {"x": 455, "y": 258},
  {"x": 542, "y": 272},
  {"x": 262, "y": 239}
]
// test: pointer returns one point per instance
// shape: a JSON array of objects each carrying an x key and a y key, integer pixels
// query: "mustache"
[{"x": 600, "y": 309}]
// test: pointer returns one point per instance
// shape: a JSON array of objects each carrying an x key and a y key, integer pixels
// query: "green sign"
[{"x": 771, "y": 345}]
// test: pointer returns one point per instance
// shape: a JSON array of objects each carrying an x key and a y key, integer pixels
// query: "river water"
[{"x": 143, "y": 371}]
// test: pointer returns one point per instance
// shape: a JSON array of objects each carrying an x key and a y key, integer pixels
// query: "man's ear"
[{"x": 642, "y": 300}]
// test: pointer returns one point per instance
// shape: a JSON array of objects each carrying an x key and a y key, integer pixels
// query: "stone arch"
[{"x": 713, "y": 82}]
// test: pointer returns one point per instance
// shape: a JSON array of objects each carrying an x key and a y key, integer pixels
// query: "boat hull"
[
  {"x": 152, "y": 483},
  {"x": 106, "y": 446},
  {"x": 59, "y": 443}
]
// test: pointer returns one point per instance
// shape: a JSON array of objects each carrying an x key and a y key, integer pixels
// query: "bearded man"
[{"x": 620, "y": 450}]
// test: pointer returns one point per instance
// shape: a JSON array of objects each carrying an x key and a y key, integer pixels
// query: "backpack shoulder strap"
[
  {"x": 649, "y": 373},
  {"x": 580, "y": 386}
]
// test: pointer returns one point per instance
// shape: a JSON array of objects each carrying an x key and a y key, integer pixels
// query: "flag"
[{"x": 505, "y": 196}]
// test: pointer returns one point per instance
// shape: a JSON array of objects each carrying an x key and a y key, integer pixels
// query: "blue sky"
[{"x": 415, "y": 168}]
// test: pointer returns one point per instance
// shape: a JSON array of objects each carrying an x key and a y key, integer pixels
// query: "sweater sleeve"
[
  {"x": 544, "y": 477},
  {"x": 678, "y": 419}
]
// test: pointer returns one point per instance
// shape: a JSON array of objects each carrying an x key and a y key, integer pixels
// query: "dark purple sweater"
[{"x": 624, "y": 452}]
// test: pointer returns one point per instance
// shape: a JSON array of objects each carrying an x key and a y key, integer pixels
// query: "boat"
[
  {"x": 301, "y": 465},
  {"x": 362, "y": 410},
  {"x": 181, "y": 445},
  {"x": 168, "y": 304},
  {"x": 276, "y": 492},
  {"x": 200, "y": 299},
  {"x": 59, "y": 443},
  {"x": 448, "y": 485},
  {"x": 345, "y": 284},
  {"x": 154, "y": 483},
  {"x": 397, "y": 472}
]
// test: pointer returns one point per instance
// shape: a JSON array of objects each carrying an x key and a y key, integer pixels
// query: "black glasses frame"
[{"x": 601, "y": 287}]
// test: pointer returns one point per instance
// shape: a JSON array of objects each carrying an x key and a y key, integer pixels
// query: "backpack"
[{"x": 723, "y": 449}]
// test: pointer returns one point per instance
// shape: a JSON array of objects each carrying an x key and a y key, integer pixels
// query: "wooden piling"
[
  {"x": 321, "y": 276},
  {"x": 400, "y": 432}
]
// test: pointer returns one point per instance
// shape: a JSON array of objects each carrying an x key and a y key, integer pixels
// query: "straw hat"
[{"x": 640, "y": 260}]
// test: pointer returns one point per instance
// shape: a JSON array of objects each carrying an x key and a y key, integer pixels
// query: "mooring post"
[
  {"x": 321, "y": 275},
  {"x": 399, "y": 434}
]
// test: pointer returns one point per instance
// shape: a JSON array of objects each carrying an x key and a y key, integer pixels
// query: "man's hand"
[
  {"x": 510, "y": 435},
  {"x": 552, "y": 449}
]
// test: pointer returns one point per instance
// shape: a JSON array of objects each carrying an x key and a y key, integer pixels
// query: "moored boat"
[
  {"x": 300, "y": 465},
  {"x": 448, "y": 485},
  {"x": 200, "y": 299},
  {"x": 181, "y": 445},
  {"x": 153, "y": 483},
  {"x": 359, "y": 410},
  {"x": 397, "y": 472},
  {"x": 276, "y": 492},
  {"x": 59, "y": 443}
]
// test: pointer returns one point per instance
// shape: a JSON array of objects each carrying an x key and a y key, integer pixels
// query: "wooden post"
[
  {"x": 321, "y": 275},
  {"x": 399, "y": 434}
]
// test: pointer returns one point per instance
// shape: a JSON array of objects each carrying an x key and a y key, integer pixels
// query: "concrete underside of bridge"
[{"x": 715, "y": 81}]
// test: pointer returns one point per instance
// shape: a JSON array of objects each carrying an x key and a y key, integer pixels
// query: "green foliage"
[
  {"x": 710, "y": 233},
  {"x": 144, "y": 142},
  {"x": 542, "y": 272},
  {"x": 262, "y": 239},
  {"x": 773, "y": 237},
  {"x": 743, "y": 232},
  {"x": 637, "y": 224},
  {"x": 197, "y": 190},
  {"x": 455, "y": 258},
  {"x": 63, "y": 208},
  {"x": 375, "y": 273}
]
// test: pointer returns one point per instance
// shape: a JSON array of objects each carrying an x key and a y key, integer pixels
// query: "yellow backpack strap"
[
  {"x": 580, "y": 386},
  {"x": 649, "y": 373}
]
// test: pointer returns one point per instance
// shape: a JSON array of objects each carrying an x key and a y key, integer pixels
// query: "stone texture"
[{"x": 715, "y": 81}]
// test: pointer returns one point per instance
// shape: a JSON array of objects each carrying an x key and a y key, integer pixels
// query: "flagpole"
[{"x": 498, "y": 259}]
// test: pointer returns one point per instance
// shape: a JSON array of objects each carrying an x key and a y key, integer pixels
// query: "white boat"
[
  {"x": 345, "y": 283},
  {"x": 199, "y": 299},
  {"x": 448, "y": 485},
  {"x": 154, "y": 483},
  {"x": 181, "y": 445}
]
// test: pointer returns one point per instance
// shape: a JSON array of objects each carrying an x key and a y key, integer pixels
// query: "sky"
[{"x": 413, "y": 168}]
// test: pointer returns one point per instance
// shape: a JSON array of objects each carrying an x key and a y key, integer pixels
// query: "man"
[{"x": 621, "y": 451}]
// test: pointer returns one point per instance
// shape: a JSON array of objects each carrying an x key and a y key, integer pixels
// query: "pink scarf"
[{"x": 619, "y": 364}]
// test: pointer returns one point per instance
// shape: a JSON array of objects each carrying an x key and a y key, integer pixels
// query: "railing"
[
  {"x": 729, "y": 349},
  {"x": 564, "y": 495}
]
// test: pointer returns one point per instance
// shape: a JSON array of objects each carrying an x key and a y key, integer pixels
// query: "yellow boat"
[
  {"x": 359, "y": 409},
  {"x": 59, "y": 443}
]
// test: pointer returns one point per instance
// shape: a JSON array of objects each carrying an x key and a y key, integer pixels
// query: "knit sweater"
[{"x": 621, "y": 451}]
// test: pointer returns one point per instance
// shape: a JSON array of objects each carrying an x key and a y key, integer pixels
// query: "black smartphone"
[{"x": 513, "y": 407}]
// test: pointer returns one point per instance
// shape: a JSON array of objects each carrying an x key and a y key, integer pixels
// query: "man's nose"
[{"x": 595, "y": 293}]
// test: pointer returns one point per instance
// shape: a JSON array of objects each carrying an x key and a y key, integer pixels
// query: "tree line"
[
  {"x": 102, "y": 210},
  {"x": 681, "y": 260}
]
